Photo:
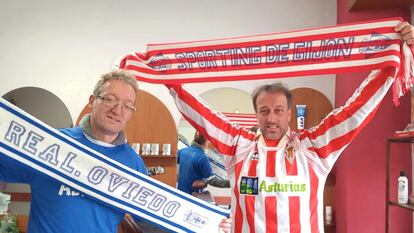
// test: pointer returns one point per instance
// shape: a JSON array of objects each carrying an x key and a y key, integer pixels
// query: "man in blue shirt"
[
  {"x": 57, "y": 207},
  {"x": 195, "y": 166}
]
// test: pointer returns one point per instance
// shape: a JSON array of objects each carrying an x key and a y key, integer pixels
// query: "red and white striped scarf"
[{"x": 344, "y": 48}]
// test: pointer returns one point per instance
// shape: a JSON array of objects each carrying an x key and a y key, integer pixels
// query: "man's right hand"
[
  {"x": 198, "y": 184},
  {"x": 225, "y": 225}
]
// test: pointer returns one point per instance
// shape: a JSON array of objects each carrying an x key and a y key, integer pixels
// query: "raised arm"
[
  {"x": 343, "y": 124},
  {"x": 214, "y": 126}
]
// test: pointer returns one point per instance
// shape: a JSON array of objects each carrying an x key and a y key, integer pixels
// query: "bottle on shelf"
[
  {"x": 328, "y": 215},
  {"x": 402, "y": 188}
]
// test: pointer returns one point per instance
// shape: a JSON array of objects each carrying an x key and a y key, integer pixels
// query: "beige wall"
[{"x": 63, "y": 46}]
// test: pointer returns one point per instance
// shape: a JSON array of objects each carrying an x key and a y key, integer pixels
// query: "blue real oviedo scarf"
[{"x": 52, "y": 153}]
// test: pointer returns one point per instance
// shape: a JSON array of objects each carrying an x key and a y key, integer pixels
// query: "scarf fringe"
[{"x": 405, "y": 78}]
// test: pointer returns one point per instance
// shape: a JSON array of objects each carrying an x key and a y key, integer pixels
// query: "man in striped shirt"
[{"x": 277, "y": 176}]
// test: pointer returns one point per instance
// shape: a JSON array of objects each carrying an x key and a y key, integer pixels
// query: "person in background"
[
  {"x": 277, "y": 176},
  {"x": 254, "y": 129},
  {"x": 57, "y": 207},
  {"x": 195, "y": 170}
]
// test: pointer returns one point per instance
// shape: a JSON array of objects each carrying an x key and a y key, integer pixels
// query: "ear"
[
  {"x": 91, "y": 99},
  {"x": 289, "y": 114}
]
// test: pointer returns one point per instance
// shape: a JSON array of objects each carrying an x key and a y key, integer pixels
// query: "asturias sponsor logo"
[{"x": 279, "y": 187}]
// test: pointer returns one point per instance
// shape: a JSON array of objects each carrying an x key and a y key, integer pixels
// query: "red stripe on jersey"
[
  {"x": 313, "y": 200},
  {"x": 253, "y": 167},
  {"x": 250, "y": 210},
  {"x": 271, "y": 157},
  {"x": 291, "y": 169},
  {"x": 238, "y": 218},
  {"x": 270, "y": 211},
  {"x": 271, "y": 163},
  {"x": 294, "y": 214}
]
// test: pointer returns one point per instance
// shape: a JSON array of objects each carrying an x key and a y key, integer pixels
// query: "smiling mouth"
[
  {"x": 273, "y": 127},
  {"x": 113, "y": 119}
]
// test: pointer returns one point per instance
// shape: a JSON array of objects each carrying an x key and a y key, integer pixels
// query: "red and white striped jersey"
[{"x": 278, "y": 187}]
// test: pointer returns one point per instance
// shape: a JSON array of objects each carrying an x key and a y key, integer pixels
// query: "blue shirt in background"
[{"x": 194, "y": 165}]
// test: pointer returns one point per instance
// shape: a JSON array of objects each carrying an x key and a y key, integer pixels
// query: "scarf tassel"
[{"x": 405, "y": 78}]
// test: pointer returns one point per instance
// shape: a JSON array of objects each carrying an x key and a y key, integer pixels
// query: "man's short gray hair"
[{"x": 120, "y": 75}]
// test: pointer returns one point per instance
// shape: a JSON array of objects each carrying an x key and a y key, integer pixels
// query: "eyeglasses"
[{"x": 112, "y": 102}]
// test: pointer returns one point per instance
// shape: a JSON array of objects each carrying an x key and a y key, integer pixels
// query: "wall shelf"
[
  {"x": 406, "y": 206},
  {"x": 387, "y": 182}
]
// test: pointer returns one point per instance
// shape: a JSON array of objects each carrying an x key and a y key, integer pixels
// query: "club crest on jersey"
[
  {"x": 290, "y": 150},
  {"x": 249, "y": 185},
  {"x": 290, "y": 153}
]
